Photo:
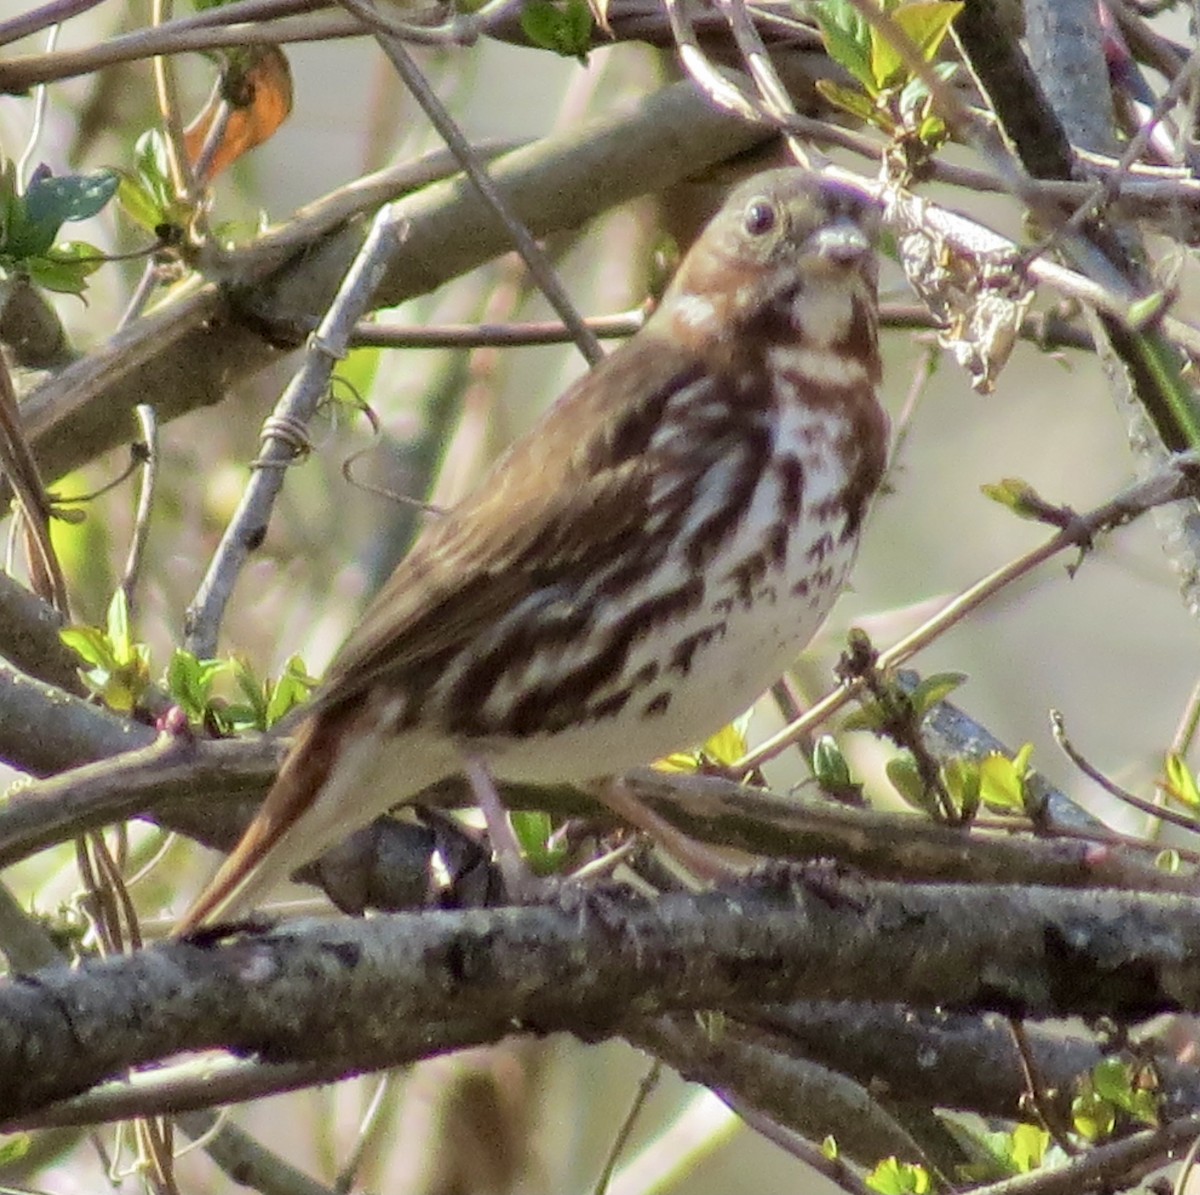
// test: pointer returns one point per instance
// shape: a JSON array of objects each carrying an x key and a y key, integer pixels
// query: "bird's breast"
[{"x": 755, "y": 603}]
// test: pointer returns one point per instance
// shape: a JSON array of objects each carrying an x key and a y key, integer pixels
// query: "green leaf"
[
  {"x": 565, "y": 29},
  {"x": 854, "y": 102},
  {"x": 1180, "y": 782},
  {"x": 1111, "y": 1079},
  {"x": 91, "y": 645},
  {"x": 66, "y": 267},
  {"x": 190, "y": 680},
  {"x": 1127, "y": 1087},
  {"x": 1146, "y": 310},
  {"x": 1029, "y": 1145},
  {"x": 118, "y": 627},
  {"x": 724, "y": 748},
  {"x": 56, "y": 200},
  {"x": 534, "y": 830},
  {"x": 138, "y": 202},
  {"x": 829, "y": 764},
  {"x": 932, "y": 131},
  {"x": 728, "y": 745},
  {"x": 579, "y": 27},
  {"x": 893, "y": 1177},
  {"x": 1003, "y": 781},
  {"x": 847, "y": 37},
  {"x": 1169, "y": 861},
  {"x": 962, "y": 781},
  {"x": 32, "y": 221},
  {"x": 289, "y": 691},
  {"x": 253, "y": 714},
  {"x": 925, "y": 24},
  {"x": 902, "y": 771},
  {"x": 1019, "y": 496},
  {"x": 120, "y": 669},
  {"x": 147, "y": 195},
  {"x": 933, "y": 690},
  {"x": 1092, "y": 1117},
  {"x": 14, "y": 1148}
]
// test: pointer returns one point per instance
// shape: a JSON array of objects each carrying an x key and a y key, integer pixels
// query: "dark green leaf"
[
  {"x": 854, "y": 102},
  {"x": 961, "y": 778},
  {"x": 935, "y": 689},
  {"x": 56, "y": 200},
  {"x": 829, "y": 764},
  {"x": 564, "y": 29},
  {"x": 905, "y": 776}
]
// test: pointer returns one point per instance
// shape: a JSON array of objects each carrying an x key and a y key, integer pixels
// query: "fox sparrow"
[{"x": 637, "y": 569}]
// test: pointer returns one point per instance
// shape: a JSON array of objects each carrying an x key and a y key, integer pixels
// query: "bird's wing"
[{"x": 516, "y": 534}]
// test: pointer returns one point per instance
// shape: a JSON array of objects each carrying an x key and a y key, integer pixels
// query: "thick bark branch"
[{"x": 421, "y": 983}]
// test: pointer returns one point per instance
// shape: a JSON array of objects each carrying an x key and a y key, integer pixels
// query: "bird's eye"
[{"x": 760, "y": 218}]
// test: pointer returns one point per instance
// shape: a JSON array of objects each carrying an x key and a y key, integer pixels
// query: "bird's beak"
[{"x": 842, "y": 243}]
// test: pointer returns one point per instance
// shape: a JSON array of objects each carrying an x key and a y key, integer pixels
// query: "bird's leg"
[
  {"x": 703, "y": 862},
  {"x": 521, "y": 883}
]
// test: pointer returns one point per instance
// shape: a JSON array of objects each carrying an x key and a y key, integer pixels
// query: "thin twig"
[
  {"x": 472, "y": 336},
  {"x": 1175, "y": 480},
  {"x": 645, "y": 1088},
  {"x": 1035, "y": 1089},
  {"x": 41, "y": 99},
  {"x": 18, "y": 465},
  {"x": 145, "y": 504},
  {"x": 21, "y": 73},
  {"x": 722, "y": 91},
  {"x": 37, "y": 19},
  {"x": 1185, "y": 732},
  {"x": 368, "y": 1127},
  {"x": 1107, "y": 190},
  {"x": 836, "y": 1170},
  {"x": 280, "y": 444},
  {"x": 473, "y": 166},
  {"x": 166, "y": 95},
  {"x": 774, "y": 95},
  {"x": 1161, "y": 812}
]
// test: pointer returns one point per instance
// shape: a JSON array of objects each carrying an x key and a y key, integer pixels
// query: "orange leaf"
[{"x": 255, "y": 89}]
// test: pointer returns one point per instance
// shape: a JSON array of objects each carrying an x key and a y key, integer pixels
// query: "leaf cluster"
[
  {"x": 31, "y": 220},
  {"x": 892, "y": 99},
  {"x": 118, "y": 673}
]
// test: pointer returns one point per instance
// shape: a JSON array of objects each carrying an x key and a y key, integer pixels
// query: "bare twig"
[
  {"x": 1154, "y": 810},
  {"x": 280, "y": 445},
  {"x": 36, "y": 19},
  {"x": 145, "y": 504},
  {"x": 17, "y": 463},
  {"x": 439, "y": 116},
  {"x": 471, "y": 336},
  {"x": 774, "y": 95}
]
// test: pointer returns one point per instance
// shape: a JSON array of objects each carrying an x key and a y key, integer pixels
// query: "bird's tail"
[{"x": 291, "y": 828}]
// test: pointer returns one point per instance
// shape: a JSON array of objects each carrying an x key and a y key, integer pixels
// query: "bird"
[{"x": 634, "y": 571}]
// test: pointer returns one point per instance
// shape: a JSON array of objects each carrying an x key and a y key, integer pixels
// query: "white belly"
[{"x": 727, "y": 674}]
